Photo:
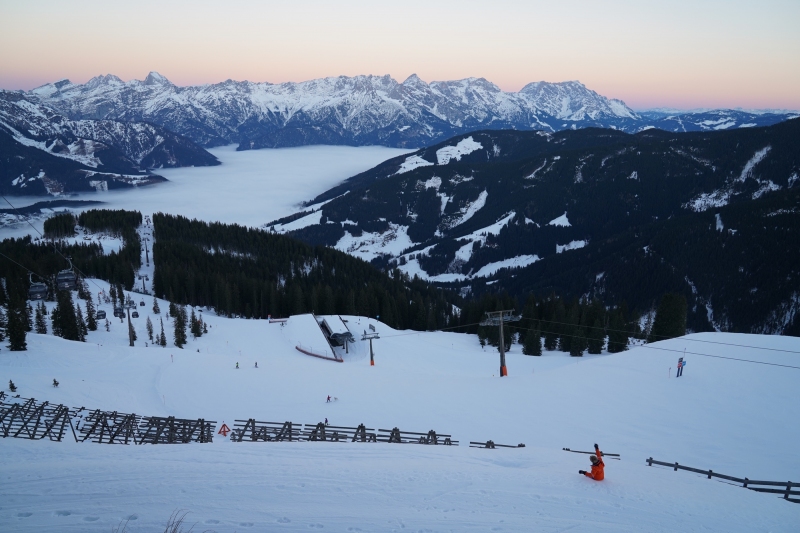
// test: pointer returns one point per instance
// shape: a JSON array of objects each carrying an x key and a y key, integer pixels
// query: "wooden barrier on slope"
[
  {"x": 25, "y": 418},
  {"x": 413, "y": 437},
  {"x": 754, "y": 485}
]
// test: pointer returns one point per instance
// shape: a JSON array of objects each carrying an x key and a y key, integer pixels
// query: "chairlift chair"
[
  {"x": 100, "y": 315},
  {"x": 135, "y": 314},
  {"x": 37, "y": 290},
  {"x": 67, "y": 280}
]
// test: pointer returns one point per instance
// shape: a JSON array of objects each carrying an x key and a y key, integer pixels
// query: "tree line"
[{"x": 246, "y": 272}]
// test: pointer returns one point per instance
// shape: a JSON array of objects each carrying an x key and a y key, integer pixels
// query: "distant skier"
[
  {"x": 597, "y": 473},
  {"x": 237, "y": 364},
  {"x": 256, "y": 364},
  {"x": 329, "y": 399},
  {"x": 681, "y": 364},
  {"x": 326, "y": 421}
]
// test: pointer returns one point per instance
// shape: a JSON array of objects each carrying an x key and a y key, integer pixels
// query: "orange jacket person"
[{"x": 598, "y": 466}]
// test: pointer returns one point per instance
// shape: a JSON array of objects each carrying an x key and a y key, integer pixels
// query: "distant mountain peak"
[{"x": 154, "y": 78}]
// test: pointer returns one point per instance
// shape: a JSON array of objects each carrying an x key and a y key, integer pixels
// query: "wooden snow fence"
[
  {"x": 25, "y": 418},
  {"x": 395, "y": 435},
  {"x": 491, "y": 445},
  {"x": 252, "y": 430},
  {"x": 107, "y": 427},
  {"x": 171, "y": 430},
  {"x": 755, "y": 485}
]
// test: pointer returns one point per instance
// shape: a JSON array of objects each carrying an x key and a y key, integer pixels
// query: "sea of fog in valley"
[{"x": 251, "y": 187}]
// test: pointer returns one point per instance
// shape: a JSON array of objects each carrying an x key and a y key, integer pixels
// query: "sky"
[{"x": 682, "y": 53}]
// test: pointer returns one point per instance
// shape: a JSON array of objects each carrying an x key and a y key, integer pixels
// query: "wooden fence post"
[
  {"x": 676, "y": 466},
  {"x": 788, "y": 488}
]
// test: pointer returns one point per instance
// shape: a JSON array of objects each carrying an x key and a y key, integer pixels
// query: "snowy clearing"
[
  {"x": 412, "y": 162},
  {"x": 464, "y": 147},
  {"x": 562, "y": 221}
]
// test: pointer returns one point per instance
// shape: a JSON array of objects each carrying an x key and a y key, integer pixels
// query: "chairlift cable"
[
  {"x": 54, "y": 244},
  {"x": 665, "y": 337},
  {"x": 671, "y": 349}
]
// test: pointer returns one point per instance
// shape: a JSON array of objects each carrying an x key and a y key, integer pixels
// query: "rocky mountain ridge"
[
  {"x": 48, "y": 153},
  {"x": 360, "y": 110}
]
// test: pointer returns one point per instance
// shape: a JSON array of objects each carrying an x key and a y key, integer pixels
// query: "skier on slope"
[
  {"x": 597, "y": 473},
  {"x": 329, "y": 399}
]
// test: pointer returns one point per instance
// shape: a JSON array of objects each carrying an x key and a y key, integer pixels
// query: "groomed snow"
[{"x": 630, "y": 403}]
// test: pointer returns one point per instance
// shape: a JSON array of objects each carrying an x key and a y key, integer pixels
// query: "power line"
[
  {"x": 673, "y": 350},
  {"x": 23, "y": 266},
  {"x": 664, "y": 337}
]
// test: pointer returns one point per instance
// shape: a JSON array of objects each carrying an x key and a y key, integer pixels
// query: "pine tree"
[
  {"x": 113, "y": 292},
  {"x": 156, "y": 309},
  {"x": 617, "y": 332},
  {"x": 670, "y": 318},
  {"x": 179, "y": 322},
  {"x": 41, "y": 323},
  {"x": 162, "y": 339},
  {"x": 91, "y": 319},
  {"x": 205, "y": 329},
  {"x": 194, "y": 326},
  {"x": 595, "y": 338},
  {"x": 533, "y": 343},
  {"x": 65, "y": 323},
  {"x": 16, "y": 327},
  {"x": 80, "y": 323},
  {"x": 55, "y": 320},
  {"x": 149, "y": 326},
  {"x": 3, "y": 324},
  {"x": 28, "y": 317},
  {"x": 108, "y": 325}
]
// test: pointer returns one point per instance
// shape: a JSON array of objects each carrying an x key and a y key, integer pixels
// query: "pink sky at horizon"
[{"x": 688, "y": 54}]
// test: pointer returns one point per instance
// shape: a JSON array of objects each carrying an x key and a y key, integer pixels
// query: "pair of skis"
[{"x": 610, "y": 455}]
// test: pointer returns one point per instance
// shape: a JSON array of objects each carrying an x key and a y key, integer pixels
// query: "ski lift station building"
[{"x": 335, "y": 329}]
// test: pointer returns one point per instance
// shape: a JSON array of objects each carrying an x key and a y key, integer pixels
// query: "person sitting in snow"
[{"x": 597, "y": 473}]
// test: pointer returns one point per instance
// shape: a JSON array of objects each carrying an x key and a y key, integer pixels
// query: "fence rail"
[{"x": 746, "y": 483}]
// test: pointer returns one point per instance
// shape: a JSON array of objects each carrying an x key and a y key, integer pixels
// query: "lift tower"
[{"x": 497, "y": 318}]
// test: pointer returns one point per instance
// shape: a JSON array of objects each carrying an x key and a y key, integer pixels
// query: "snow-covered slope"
[{"x": 630, "y": 403}]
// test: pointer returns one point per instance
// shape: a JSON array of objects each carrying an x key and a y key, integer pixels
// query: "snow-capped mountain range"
[
  {"x": 45, "y": 152},
  {"x": 358, "y": 110}
]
